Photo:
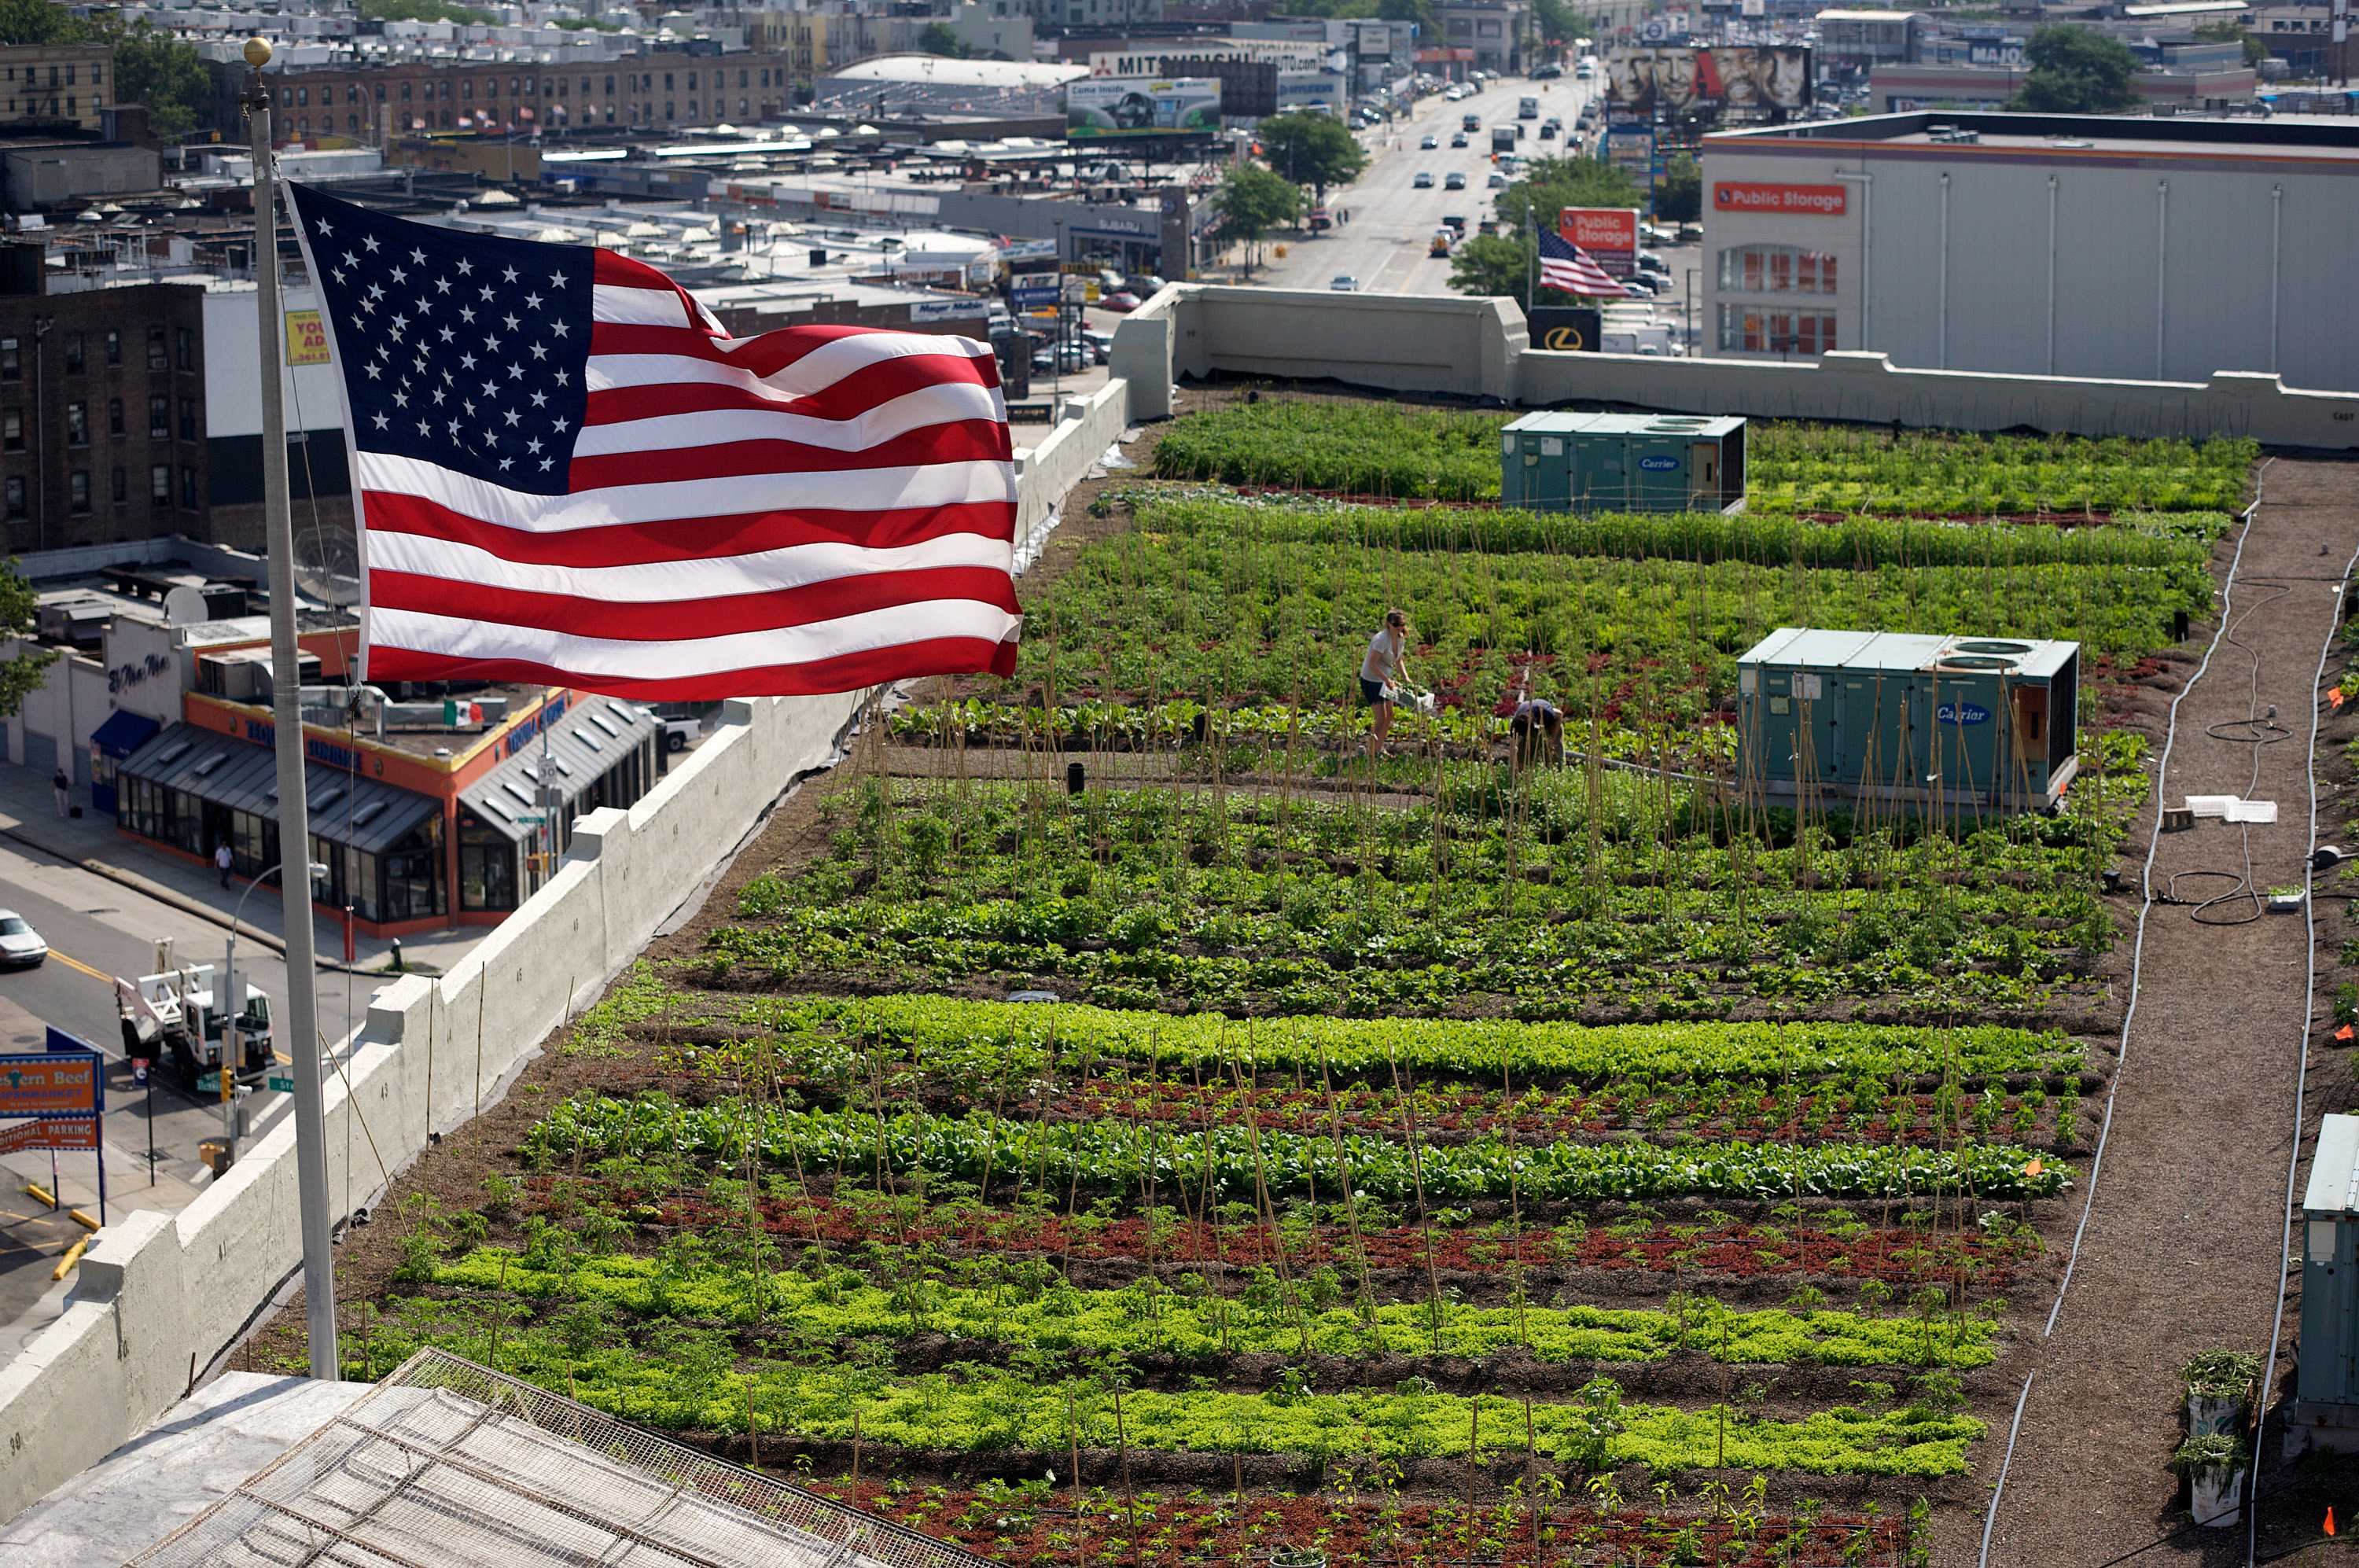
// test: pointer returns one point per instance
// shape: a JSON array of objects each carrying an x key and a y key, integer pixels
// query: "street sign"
[
  {"x": 531, "y": 819},
  {"x": 56, "y": 1098},
  {"x": 209, "y": 1083},
  {"x": 281, "y": 1085}
]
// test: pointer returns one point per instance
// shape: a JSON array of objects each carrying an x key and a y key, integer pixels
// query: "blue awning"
[{"x": 124, "y": 733}]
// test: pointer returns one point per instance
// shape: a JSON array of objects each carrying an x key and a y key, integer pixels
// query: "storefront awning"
[
  {"x": 366, "y": 814},
  {"x": 589, "y": 738},
  {"x": 124, "y": 733}
]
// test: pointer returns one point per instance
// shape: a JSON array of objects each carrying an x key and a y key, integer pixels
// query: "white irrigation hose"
[
  {"x": 2137, "y": 959},
  {"x": 2301, "y": 1057}
]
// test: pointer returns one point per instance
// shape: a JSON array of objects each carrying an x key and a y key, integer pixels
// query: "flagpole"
[
  {"x": 1532, "y": 252},
  {"x": 287, "y": 712}
]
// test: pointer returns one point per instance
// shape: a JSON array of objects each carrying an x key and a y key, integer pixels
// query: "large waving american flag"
[
  {"x": 565, "y": 471},
  {"x": 1564, "y": 264}
]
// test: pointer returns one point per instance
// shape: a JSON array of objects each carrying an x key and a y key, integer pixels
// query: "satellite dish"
[
  {"x": 184, "y": 607},
  {"x": 328, "y": 566}
]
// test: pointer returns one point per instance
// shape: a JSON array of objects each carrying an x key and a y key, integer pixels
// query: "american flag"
[
  {"x": 1564, "y": 264},
  {"x": 567, "y": 472}
]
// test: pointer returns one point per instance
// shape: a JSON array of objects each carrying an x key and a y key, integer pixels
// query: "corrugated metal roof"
[
  {"x": 368, "y": 814},
  {"x": 589, "y": 738}
]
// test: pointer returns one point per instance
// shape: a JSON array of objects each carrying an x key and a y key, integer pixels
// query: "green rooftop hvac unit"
[
  {"x": 2326, "y": 1395},
  {"x": 1953, "y": 722},
  {"x": 1623, "y": 462}
]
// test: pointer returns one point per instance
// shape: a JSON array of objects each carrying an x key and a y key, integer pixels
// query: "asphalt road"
[
  {"x": 1384, "y": 246},
  {"x": 97, "y": 930}
]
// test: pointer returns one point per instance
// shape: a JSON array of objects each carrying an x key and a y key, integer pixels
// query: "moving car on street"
[{"x": 21, "y": 946}]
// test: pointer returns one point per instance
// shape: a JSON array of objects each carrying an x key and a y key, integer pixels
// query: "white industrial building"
[{"x": 2140, "y": 249}]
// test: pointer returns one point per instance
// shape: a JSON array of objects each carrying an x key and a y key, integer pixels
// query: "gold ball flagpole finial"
[{"x": 257, "y": 52}]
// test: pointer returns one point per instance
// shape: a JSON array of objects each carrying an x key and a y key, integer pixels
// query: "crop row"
[
  {"x": 837, "y": 1037},
  {"x": 695, "y": 1382},
  {"x": 1194, "y": 602},
  {"x": 1403, "y": 453},
  {"x": 2175, "y": 539},
  {"x": 1241, "y": 1161},
  {"x": 1198, "y": 1324}
]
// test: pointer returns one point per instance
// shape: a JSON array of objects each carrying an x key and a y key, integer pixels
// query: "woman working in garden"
[{"x": 1381, "y": 669}]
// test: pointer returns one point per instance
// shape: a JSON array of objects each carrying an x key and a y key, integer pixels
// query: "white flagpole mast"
[
  {"x": 287, "y": 711},
  {"x": 1531, "y": 255}
]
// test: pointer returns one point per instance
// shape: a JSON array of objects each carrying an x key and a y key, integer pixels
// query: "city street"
[{"x": 1383, "y": 247}]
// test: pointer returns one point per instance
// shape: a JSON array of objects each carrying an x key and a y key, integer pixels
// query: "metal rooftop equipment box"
[
  {"x": 2326, "y": 1396},
  {"x": 1948, "y": 722},
  {"x": 1623, "y": 462}
]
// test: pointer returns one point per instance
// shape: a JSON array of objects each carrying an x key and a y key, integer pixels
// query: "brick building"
[
  {"x": 652, "y": 90},
  {"x": 56, "y": 84},
  {"x": 101, "y": 416}
]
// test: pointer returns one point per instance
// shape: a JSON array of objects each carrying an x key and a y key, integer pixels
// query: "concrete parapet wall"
[
  {"x": 1480, "y": 349},
  {"x": 155, "y": 1290}
]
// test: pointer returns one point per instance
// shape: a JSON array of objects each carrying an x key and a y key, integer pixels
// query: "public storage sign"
[{"x": 1801, "y": 201}]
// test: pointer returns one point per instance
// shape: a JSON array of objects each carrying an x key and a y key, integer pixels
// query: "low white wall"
[
  {"x": 156, "y": 1289},
  {"x": 1479, "y": 348},
  {"x": 1085, "y": 427}
]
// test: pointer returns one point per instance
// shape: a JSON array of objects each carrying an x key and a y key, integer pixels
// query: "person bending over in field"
[
  {"x": 1536, "y": 735},
  {"x": 1382, "y": 669}
]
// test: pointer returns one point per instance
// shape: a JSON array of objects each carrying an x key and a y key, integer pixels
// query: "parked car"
[
  {"x": 1100, "y": 343},
  {"x": 1119, "y": 301},
  {"x": 1646, "y": 282},
  {"x": 1691, "y": 234},
  {"x": 21, "y": 946},
  {"x": 1343, "y": 283},
  {"x": 1071, "y": 358},
  {"x": 1423, "y": 181},
  {"x": 1453, "y": 181}
]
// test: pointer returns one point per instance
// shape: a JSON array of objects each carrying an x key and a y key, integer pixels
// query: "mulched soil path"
[{"x": 2182, "y": 1249}]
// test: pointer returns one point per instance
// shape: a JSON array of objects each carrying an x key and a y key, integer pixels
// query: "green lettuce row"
[
  {"x": 1022, "y": 1039},
  {"x": 1856, "y": 543},
  {"x": 1138, "y": 1321},
  {"x": 693, "y": 1384},
  {"x": 1124, "y": 1158}
]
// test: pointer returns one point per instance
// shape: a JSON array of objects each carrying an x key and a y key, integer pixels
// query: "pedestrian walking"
[
  {"x": 224, "y": 860},
  {"x": 61, "y": 787}
]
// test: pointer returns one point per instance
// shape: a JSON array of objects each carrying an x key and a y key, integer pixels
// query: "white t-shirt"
[{"x": 1384, "y": 652}]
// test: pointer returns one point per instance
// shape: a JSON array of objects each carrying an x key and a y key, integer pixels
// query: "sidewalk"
[
  {"x": 29, "y": 820},
  {"x": 33, "y": 1236}
]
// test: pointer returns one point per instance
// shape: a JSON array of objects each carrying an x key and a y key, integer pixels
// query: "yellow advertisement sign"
[{"x": 307, "y": 338}]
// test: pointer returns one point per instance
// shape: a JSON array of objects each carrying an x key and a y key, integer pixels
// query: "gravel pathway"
[{"x": 2180, "y": 1252}]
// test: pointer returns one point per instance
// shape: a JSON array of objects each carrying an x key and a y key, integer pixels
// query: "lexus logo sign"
[{"x": 1563, "y": 340}]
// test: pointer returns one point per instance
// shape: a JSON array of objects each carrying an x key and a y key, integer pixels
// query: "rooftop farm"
[{"x": 1415, "y": 1160}]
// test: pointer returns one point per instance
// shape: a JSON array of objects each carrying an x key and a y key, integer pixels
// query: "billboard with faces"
[{"x": 1745, "y": 84}]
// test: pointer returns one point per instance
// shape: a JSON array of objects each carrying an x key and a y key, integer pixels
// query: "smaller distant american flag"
[{"x": 1564, "y": 264}]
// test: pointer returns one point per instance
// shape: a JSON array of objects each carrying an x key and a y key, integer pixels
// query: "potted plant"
[
  {"x": 2219, "y": 1387},
  {"x": 2284, "y": 901},
  {"x": 2214, "y": 1465}
]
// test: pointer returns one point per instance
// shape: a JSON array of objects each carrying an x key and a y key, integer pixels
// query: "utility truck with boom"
[{"x": 173, "y": 1012}]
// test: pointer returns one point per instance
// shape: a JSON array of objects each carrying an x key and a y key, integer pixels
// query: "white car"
[
  {"x": 1343, "y": 283},
  {"x": 20, "y": 945}
]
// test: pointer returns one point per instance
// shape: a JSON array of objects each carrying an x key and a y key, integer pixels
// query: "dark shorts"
[{"x": 1371, "y": 692}]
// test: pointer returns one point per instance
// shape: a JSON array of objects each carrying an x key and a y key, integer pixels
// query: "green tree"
[
  {"x": 937, "y": 38},
  {"x": 21, "y": 673},
  {"x": 1551, "y": 184},
  {"x": 1558, "y": 23},
  {"x": 2075, "y": 70},
  {"x": 1254, "y": 201},
  {"x": 39, "y": 22},
  {"x": 1679, "y": 195},
  {"x": 153, "y": 68},
  {"x": 1317, "y": 150}
]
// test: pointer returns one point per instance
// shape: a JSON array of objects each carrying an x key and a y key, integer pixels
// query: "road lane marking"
[{"x": 71, "y": 962}]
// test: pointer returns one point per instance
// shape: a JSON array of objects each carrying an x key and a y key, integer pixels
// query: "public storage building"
[{"x": 2136, "y": 249}]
